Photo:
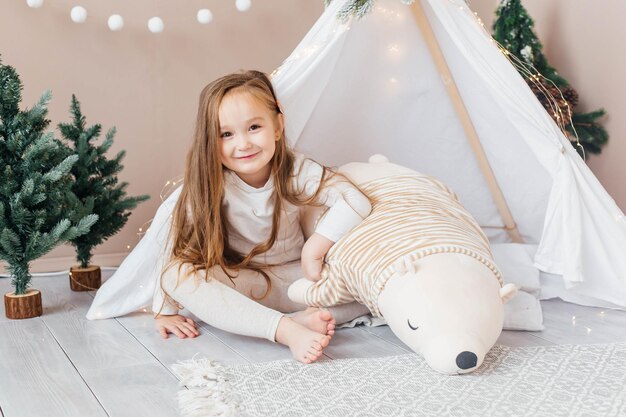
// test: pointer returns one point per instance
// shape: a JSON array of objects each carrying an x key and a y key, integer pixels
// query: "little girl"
[{"x": 239, "y": 209}]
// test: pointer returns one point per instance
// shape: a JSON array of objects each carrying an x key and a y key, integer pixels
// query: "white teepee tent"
[
  {"x": 381, "y": 84},
  {"x": 426, "y": 86}
]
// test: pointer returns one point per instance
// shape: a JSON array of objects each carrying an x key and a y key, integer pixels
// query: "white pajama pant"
[{"x": 228, "y": 305}]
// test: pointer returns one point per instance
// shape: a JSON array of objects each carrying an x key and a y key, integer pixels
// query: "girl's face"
[{"x": 248, "y": 135}]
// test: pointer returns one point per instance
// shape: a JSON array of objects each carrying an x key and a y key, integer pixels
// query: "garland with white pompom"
[{"x": 115, "y": 22}]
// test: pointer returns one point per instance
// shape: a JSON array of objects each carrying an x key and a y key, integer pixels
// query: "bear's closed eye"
[{"x": 412, "y": 328}]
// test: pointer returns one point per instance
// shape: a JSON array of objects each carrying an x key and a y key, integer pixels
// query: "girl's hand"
[
  {"x": 313, "y": 253},
  {"x": 179, "y": 325}
]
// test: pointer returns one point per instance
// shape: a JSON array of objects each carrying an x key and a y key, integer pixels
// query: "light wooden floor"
[{"x": 61, "y": 364}]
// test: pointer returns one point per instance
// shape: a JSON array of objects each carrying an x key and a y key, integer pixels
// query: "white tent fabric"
[
  {"x": 385, "y": 96},
  {"x": 370, "y": 86}
]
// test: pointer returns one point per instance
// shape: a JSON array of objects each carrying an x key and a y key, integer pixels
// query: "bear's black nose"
[{"x": 466, "y": 360}]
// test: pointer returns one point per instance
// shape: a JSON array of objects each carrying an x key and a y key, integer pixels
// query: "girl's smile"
[{"x": 247, "y": 157}]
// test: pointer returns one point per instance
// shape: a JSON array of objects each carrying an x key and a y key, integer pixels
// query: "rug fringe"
[{"x": 208, "y": 392}]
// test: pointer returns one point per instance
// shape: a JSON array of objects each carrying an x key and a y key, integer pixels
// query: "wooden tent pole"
[{"x": 466, "y": 121}]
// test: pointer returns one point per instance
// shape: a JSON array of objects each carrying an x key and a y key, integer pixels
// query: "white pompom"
[
  {"x": 378, "y": 159},
  {"x": 155, "y": 24},
  {"x": 78, "y": 14},
  {"x": 34, "y": 3},
  {"x": 115, "y": 22},
  {"x": 204, "y": 16},
  {"x": 243, "y": 5}
]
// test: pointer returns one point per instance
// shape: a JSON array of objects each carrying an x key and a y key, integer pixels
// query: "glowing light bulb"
[{"x": 127, "y": 246}]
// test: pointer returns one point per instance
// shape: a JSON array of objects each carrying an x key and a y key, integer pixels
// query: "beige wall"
[{"x": 147, "y": 85}]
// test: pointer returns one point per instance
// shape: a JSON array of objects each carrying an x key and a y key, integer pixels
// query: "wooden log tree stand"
[
  {"x": 23, "y": 306},
  {"x": 85, "y": 279}
]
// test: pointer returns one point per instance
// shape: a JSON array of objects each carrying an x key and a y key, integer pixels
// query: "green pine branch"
[
  {"x": 96, "y": 184},
  {"x": 514, "y": 30},
  {"x": 590, "y": 132}
]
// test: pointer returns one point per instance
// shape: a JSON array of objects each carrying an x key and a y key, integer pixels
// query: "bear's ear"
[{"x": 507, "y": 292}]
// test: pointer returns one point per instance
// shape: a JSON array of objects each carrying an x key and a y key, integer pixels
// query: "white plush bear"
[{"x": 420, "y": 261}]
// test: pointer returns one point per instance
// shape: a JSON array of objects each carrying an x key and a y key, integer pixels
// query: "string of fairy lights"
[
  {"x": 115, "y": 22},
  {"x": 535, "y": 77}
]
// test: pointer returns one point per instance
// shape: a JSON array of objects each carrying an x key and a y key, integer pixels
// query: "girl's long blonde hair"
[{"x": 198, "y": 234}]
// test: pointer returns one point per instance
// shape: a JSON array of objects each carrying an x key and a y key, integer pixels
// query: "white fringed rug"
[{"x": 575, "y": 380}]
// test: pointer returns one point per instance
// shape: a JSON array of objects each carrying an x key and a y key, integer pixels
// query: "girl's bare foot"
[
  {"x": 316, "y": 319},
  {"x": 306, "y": 345}
]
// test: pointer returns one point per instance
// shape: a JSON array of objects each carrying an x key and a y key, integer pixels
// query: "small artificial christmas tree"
[
  {"x": 97, "y": 191},
  {"x": 35, "y": 191},
  {"x": 513, "y": 29}
]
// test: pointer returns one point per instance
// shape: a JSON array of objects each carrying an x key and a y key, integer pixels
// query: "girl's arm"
[
  {"x": 347, "y": 207},
  {"x": 313, "y": 252}
]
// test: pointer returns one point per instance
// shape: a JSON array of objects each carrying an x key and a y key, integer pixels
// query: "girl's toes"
[
  {"x": 314, "y": 355},
  {"x": 325, "y": 315}
]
